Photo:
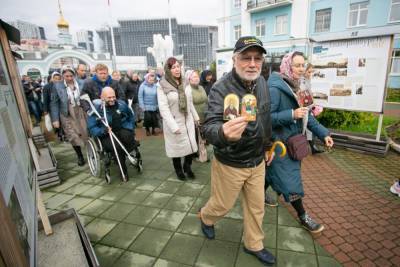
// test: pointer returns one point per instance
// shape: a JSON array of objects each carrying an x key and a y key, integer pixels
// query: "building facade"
[
  {"x": 29, "y": 30},
  {"x": 133, "y": 37},
  {"x": 85, "y": 40},
  {"x": 288, "y": 25},
  {"x": 345, "y": 19}
]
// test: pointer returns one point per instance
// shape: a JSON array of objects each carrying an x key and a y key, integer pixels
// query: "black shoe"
[
  {"x": 181, "y": 176},
  {"x": 189, "y": 173},
  {"x": 153, "y": 132},
  {"x": 262, "y": 255},
  {"x": 208, "y": 230},
  {"x": 311, "y": 225},
  {"x": 187, "y": 169},
  {"x": 148, "y": 132},
  {"x": 81, "y": 161}
]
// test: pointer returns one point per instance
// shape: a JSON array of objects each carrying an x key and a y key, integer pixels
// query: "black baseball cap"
[{"x": 246, "y": 42}]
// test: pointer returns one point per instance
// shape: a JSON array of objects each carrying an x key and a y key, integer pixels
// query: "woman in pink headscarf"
[{"x": 284, "y": 173}]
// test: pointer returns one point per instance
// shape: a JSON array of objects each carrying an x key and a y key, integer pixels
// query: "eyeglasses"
[
  {"x": 298, "y": 65},
  {"x": 249, "y": 59}
]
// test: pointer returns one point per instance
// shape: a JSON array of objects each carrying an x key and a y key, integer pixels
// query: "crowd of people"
[
  {"x": 129, "y": 101},
  {"x": 188, "y": 106}
]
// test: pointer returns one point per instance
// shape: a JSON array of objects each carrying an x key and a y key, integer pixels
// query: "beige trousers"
[{"x": 226, "y": 184}]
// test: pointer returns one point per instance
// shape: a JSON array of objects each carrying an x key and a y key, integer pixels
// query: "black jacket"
[
  {"x": 248, "y": 151},
  {"x": 131, "y": 89},
  {"x": 29, "y": 87},
  {"x": 93, "y": 88}
]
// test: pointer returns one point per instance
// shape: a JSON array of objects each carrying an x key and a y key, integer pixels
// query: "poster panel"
[
  {"x": 224, "y": 63},
  {"x": 351, "y": 74}
]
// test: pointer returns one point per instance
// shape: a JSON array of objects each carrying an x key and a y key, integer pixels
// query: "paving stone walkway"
[
  {"x": 151, "y": 220},
  {"x": 349, "y": 193}
]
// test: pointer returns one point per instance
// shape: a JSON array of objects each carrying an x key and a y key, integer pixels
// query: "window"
[
  {"x": 394, "y": 11},
  {"x": 237, "y": 3},
  {"x": 358, "y": 14},
  {"x": 281, "y": 24},
  {"x": 395, "y": 69},
  {"x": 260, "y": 28},
  {"x": 323, "y": 20},
  {"x": 238, "y": 31}
]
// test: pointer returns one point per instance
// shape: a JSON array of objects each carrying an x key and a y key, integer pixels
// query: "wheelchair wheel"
[{"x": 94, "y": 158}]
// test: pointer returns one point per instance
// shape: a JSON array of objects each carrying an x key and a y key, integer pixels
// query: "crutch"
[
  {"x": 87, "y": 98},
  {"x": 112, "y": 135},
  {"x": 112, "y": 142}
]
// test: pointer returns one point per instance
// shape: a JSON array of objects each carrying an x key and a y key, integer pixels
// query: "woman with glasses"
[
  {"x": 284, "y": 174},
  {"x": 179, "y": 117},
  {"x": 65, "y": 107},
  {"x": 148, "y": 103}
]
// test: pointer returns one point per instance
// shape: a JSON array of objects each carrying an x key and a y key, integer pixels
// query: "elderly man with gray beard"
[{"x": 240, "y": 148}]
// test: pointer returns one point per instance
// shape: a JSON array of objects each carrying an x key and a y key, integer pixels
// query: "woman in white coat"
[{"x": 179, "y": 118}]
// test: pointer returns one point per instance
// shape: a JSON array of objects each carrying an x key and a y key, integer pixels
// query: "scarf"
[
  {"x": 73, "y": 93},
  {"x": 181, "y": 90},
  {"x": 286, "y": 72}
]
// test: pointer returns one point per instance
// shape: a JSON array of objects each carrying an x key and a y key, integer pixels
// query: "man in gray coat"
[{"x": 240, "y": 148}]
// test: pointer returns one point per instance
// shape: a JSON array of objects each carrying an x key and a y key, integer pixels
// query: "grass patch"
[
  {"x": 371, "y": 127},
  {"x": 393, "y": 95},
  {"x": 357, "y": 122}
]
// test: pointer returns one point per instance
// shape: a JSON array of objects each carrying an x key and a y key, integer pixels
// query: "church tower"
[{"x": 64, "y": 37}]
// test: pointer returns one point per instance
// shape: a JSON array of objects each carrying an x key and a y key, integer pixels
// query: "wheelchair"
[{"x": 96, "y": 155}]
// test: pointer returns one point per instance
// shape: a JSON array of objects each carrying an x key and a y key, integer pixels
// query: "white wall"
[
  {"x": 299, "y": 18},
  {"x": 245, "y": 19},
  {"x": 224, "y": 24}
]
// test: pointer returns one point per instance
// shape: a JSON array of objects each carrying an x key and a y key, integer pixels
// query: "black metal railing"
[{"x": 262, "y": 3}]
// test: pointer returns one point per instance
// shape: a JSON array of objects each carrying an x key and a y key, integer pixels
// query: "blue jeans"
[{"x": 35, "y": 109}]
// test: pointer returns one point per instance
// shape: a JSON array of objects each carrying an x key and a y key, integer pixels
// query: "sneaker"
[
  {"x": 395, "y": 188},
  {"x": 270, "y": 199},
  {"x": 262, "y": 255},
  {"x": 311, "y": 225},
  {"x": 208, "y": 230}
]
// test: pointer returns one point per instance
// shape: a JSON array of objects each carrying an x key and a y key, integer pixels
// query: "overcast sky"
[{"x": 93, "y": 14}]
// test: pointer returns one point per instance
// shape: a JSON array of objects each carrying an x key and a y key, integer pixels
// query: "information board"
[{"x": 351, "y": 74}]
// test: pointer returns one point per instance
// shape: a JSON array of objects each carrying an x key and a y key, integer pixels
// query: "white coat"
[{"x": 184, "y": 143}]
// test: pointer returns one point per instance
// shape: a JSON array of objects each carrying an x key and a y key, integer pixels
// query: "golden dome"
[{"x": 62, "y": 23}]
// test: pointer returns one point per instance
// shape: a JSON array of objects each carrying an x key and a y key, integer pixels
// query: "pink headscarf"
[{"x": 286, "y": 65}]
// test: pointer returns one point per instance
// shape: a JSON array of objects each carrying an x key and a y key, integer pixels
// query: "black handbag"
[{"x": 297, "y": 147}]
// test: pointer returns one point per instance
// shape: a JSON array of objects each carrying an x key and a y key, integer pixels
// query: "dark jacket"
[
  {"x": 97, "y": 128},
  {"x": 284, "y": 174},
  {"x": 94, "y": 86},
  {"x": 131, "y": 89},
  {"x": 47, "y": 90},
  {"x": 203, "y": 82},
  {"x": 249, "y": 151},
  {"x": 29, "y": 87}
]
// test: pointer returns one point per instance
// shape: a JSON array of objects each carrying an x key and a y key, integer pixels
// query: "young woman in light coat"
[{"x": 179, "y": 118}]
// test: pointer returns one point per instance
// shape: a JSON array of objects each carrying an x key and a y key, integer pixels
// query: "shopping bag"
[
  {"x": 202, "y": 147},
  {"x": 48, "y": 123}
]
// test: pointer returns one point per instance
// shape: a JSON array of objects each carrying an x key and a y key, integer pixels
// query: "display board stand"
[{"x": 379, "y": 130}]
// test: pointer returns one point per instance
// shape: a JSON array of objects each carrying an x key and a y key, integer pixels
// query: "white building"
[
  {"x": 28, "y": 30},
  {"x": 85, "y": 40}
]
